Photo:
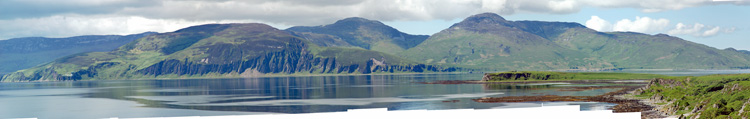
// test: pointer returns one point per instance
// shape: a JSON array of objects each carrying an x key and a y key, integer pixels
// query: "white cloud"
[
  {"x": 698, "y": 30},
  {"x": 293, "y": 12},
  {"x": 74, "y": 25},
  {"x": 711, "y": 32},
  {"x": 650, "y": 25},
  {"x": 563, "y": 6},
  {"x": 598, "y": 24},
  {"x": 651, "y": 5},
  {"x": 641, "y": 24}
]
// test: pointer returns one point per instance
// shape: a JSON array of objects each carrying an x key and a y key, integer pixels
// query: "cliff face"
[{"x": 272, "y": 63}]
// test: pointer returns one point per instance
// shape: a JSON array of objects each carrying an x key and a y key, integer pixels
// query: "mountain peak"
[
  {"x": 215, "y": 28},
  {"x": 358, "y": 21},
  {"x": 219, "y": 26},
  {"x": 484, "y": 19},
  {"x": 485, "y": 16},
  {"x": 483, "y": 22},
  {"x": 360, "y": 32}
]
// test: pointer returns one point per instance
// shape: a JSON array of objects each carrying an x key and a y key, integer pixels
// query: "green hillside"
[
  {"x": 359, "y": 32},
  {"x": 724, "y": 96},
  {"x": 22, "y": 53},
  {"x": 218, "y": 50},
  {"x": 488, "y": 41},
  {"x": 641, "y": 51},
  {"x": 482, "y": 42}
]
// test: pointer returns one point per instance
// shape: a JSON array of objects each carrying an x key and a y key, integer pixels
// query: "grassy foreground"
[
  {"x": 558, "y": 76},
  {"x": 711, "y": 96}
]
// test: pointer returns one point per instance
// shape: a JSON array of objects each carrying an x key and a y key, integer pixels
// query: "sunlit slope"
[
  {"x": 636, "y": 50},
  {"x": 361, "y": 33},
  {"x": 488, "y": 41},
  {"x": 22, "y": 53}
]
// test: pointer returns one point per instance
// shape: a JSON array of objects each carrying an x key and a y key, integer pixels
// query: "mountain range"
[
  {"x": 488, "y": 41},
  {"x": 482, "y": 42}
]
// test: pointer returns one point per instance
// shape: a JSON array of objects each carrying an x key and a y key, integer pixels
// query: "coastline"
[
  {"x": 619, "y": 81},
  {"x": 652, "y": 113},
  {"x": 624, "y": 98}
]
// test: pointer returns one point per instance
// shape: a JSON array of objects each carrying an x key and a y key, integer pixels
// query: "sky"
[{"x": 716, "y": 23}]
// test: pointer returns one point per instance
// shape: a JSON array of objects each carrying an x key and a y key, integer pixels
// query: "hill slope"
[
  {"x": 489, "y": 41},
  {"x": 641, "y": 51},
  {"x": 218, "y": 50},
  {"x": 22, "y": 53},
  {"x": 359, "y": 32}
]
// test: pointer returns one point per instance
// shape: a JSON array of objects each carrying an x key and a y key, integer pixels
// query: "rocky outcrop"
[{"x": 666, "y": 82}]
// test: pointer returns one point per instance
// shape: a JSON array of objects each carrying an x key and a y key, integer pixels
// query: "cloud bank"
[
  {"x": 641, "y": 24},
  {"x": 698, "y": 30},
  {"x": 105, "y": 16},
  {"x": 653, "y": 26}
]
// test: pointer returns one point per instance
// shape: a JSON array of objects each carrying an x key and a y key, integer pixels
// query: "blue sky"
[{"x": 719, "y": 24}]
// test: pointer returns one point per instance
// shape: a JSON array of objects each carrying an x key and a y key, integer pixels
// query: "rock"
[
  {"x": 742, "y": 110},
  {"x": 657, "y": 97},
  {"x": 697, "y": 108}
]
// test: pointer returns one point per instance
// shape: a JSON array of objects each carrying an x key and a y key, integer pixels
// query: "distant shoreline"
[
  {"x": 411, "y": 73},
  {"x": 267, "y": 76}
]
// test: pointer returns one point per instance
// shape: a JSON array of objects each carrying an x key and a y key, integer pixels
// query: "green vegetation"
[
  {"x": 23, "y": 53},
  {"x": 560, "y": 76},
  {"x": 489, "y": 42},
  {"x": 218, "y": 50},
  {"x": 482, "y": 42},
  {"x": 499, "y": 51},
  {"x": 708, "y": 97},
  {"x": 359, "y": 32},
  {"x": 642, "y": 51}
]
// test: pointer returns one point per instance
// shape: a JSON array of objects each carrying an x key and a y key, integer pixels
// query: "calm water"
[{"x": 208, "y": 97}]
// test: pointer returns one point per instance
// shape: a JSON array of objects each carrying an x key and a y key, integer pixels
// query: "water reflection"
[{"x": 298, "y": 94}]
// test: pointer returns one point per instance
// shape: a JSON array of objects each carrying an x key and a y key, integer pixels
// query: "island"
[{"x": 513, "y": 76}]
